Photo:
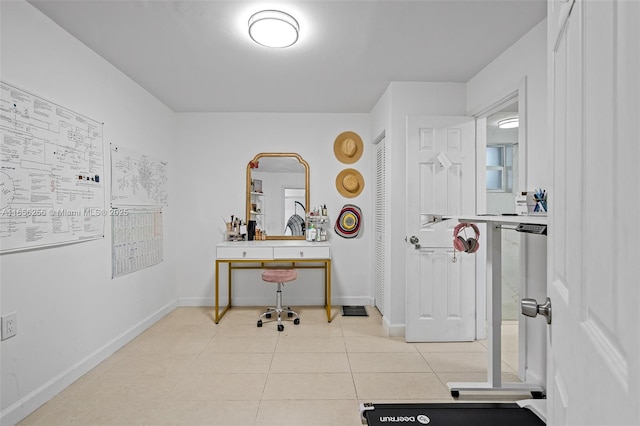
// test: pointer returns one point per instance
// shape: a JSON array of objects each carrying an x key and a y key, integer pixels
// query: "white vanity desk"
[
  {"x": 299, "y": 254},
  {"x": 493, "y": 243}
]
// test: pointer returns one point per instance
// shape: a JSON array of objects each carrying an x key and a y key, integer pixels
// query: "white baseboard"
[
  {"x": 393, "y": 330},
  {"x": 31, "y": 402},
  {"x": 198, "y": 301}
]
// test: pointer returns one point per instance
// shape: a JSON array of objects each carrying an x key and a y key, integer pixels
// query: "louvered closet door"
[{"x": 380, "y": 227}]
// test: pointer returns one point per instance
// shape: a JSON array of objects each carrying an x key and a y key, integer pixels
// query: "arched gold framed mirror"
[{"x": 277, "y": 195}]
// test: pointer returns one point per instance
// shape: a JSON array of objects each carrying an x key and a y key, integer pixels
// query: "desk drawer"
[
  {"x": 301, "y": 253},
  {"x": 263, "y": 253}
]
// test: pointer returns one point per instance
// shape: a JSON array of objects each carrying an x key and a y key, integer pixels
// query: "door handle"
[
  {"x": 531, "y": 308},
  {"x": 415, "y": 241}
]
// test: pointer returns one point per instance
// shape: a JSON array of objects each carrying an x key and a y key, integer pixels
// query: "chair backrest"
[{"x": 296, "y": 225}]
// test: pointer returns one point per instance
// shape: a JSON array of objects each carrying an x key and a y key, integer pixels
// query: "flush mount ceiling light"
[
  {"x": 273, "y": 28},
  {"x": 509, "y": 123}
]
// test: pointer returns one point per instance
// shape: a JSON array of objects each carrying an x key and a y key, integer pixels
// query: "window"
[{"x": 500, "y": 168}]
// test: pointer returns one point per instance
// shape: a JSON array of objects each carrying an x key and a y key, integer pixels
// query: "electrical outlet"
[{"x": 9, "y": 325}]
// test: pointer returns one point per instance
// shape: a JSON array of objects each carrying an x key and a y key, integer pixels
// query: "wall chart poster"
[
  {"x": 136, "y": 239},
  {"x": 51, "y": 173},
  {"x": 137, "y": 179}
]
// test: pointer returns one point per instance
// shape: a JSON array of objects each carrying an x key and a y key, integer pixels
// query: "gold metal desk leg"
[
  {"x": 229, "y": 288},
  {"x": 216, "y": 313},
  {"x": 327, "y": 283}
]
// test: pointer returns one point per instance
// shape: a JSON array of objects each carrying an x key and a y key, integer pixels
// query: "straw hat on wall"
[
  {"x": 349, "y": 183},
  {"x": 348, "y": 147}
]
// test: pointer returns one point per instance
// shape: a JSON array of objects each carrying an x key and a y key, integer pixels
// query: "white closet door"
[{"x": 380, "y": 226}]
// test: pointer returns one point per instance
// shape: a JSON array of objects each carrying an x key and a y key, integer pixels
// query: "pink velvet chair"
[{"x": 279, "y": 276}]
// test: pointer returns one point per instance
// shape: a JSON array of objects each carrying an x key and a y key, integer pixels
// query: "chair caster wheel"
[
  {"x": 296, "y": 321},
  {"x": 280, "y": 327},
  {"x": 289, "y": 314},
  {"x": 268, "y": 315},
  {"x": 259, "y": 323}
]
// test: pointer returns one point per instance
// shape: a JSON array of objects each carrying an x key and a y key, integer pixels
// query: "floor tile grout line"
[
  {"x": 264, "y": 387},
  {"x": 350, "y": 352}
]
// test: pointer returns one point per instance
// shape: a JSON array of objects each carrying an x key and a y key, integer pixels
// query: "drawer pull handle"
[
  {"x": 301, "y": 253},
  {"x": 244, "y": 254}
]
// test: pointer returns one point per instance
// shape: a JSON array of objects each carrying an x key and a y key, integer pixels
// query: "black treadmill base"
[{"x": 449, "y": 414}]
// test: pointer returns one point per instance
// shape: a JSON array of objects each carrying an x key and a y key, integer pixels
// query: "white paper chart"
[
  {"x": 136, "y": 239},
  {"x": 137, "y": 179},
  {"x": 51, "y": 173}
]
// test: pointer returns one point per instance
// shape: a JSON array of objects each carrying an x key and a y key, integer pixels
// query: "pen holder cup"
[{"x": 537, "y": 206}]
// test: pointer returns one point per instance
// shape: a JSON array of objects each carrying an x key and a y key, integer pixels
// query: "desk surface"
[
  {"x": 537, "y": 220},
  {"x": 274, "y": 243}
]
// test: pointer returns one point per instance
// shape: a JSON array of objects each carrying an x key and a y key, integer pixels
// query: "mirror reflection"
[{"x": 277, "y": 196}]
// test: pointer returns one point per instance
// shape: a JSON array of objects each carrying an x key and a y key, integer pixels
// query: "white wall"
[
  {"x": 71, "y": 314},
  {"x": 211, "y": 178},
  {"x": 526, "y": 58}
]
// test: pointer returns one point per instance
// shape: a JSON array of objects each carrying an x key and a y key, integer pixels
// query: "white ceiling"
[{"x": 196, "y": 56}]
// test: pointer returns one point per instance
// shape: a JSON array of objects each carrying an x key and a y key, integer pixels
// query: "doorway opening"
[
  {"x": 501, "y": 174},
  {"x": 501, "y": 177}
]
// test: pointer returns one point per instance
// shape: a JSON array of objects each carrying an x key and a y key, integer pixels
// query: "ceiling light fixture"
[
  {"x": 273, "y": 28},
  {"x": 509, "y": 123}
]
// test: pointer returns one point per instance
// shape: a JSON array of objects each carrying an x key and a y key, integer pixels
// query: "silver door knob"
[
  {"x": 415, "y": 241},
  {"x": 531, "y": 308}
]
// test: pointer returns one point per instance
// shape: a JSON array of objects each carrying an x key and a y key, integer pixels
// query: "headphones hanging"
[{"x": 464, "y": 243}]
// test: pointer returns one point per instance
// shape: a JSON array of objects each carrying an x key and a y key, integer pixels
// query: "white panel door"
[
  {"x": 593, "y": 366},
  {"x": 441, "y": 294}
]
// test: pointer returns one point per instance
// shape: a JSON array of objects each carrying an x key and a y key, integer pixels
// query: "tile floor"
[{"x": 186, "y": 370}]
